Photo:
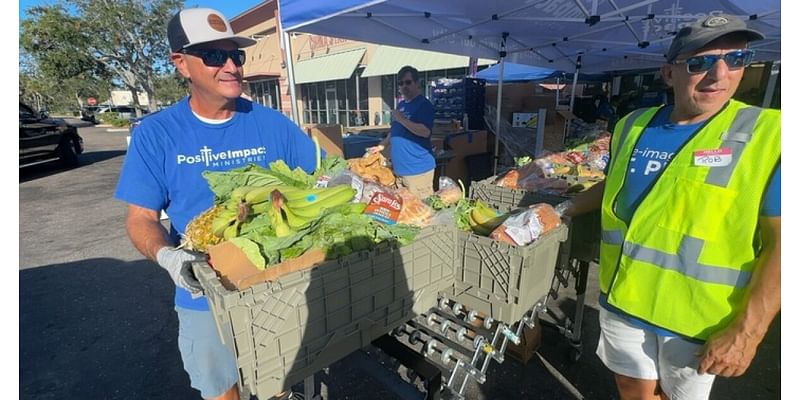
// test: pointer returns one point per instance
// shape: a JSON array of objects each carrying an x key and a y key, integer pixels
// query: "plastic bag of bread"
[
  {"x": 372, "y": 167},
  {"x": 509, "y": 180},
  {"x": 523, "y": 228},
  {"x": 414, "y": 211}
]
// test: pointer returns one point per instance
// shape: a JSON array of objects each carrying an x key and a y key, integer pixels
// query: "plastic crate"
[
  {"x": 584, "y": 230},
  {"x": 502, "y": 280},
  {"x": 284, "y": 331}
]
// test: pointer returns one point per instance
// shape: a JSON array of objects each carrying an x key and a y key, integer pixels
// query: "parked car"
[
  {"x": 41, "y": 138},
  {"x": 124, "y": 112}
]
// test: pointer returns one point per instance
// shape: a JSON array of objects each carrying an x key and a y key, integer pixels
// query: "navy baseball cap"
[{"x": 707, "y": 29}]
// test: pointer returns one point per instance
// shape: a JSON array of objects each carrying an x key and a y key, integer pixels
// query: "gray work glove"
[{"x": 177, "y": 262}]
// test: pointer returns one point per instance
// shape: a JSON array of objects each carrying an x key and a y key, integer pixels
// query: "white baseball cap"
[{"x": 201, "y": 25}]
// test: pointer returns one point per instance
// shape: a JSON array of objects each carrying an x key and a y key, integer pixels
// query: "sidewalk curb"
[{"x": 117, "y": 130}]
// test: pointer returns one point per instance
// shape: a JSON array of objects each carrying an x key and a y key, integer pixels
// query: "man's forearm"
[
  {"x": 416, "y": 128},
  {"x": 764, "y": 297},
  {"x": 146, "y": 232},
  {"x": 587, "y": 201}
]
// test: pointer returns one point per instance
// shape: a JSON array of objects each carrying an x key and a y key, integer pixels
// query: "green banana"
[
  {"x": 240, "y": 192},
  {"x": 313, "y": 210},
  {"x": 231, "y": 231},
  {"x": 295, "y": 221},
  {"x": 259, "y": 194},
  {"x": 302, "y": 194},
  {"x": 282, "y": 229},
  {"x": 323, "y": 196},
  {"x": 223, "y": 220},
  {"x": 261, "y": 208}
]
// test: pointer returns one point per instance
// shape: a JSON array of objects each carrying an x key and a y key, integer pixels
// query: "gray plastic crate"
[
  {"x": 584, "y": 230},
  {"x": 502, "y": 280},
  {"x": 284, "y": 331}
]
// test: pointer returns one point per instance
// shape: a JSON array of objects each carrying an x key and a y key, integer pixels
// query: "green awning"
[
  {"x": 387, "y": 60},
  {"x": 329, "y": 67}
]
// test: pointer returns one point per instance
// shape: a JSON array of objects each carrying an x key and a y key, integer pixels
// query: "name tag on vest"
[{"x": 713, "y": 158}]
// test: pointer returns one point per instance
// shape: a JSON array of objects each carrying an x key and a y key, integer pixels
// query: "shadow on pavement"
[
  {"x": 52, "y": 167},
  {"x": 99, "y": 329}
]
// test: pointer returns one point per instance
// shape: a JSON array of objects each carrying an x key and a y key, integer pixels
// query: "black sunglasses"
[
  {"x": 217, "y": 57},
  {"x": 406, "y": 82},
  {"x": 735, "y": 60}
]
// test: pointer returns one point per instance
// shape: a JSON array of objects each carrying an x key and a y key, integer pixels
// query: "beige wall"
[{"x": 375, "y": 103}]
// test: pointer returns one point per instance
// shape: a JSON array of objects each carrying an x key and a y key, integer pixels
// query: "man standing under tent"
[
  {"x": 214, "y": 128},
  {"x": 410, "y": 137},
  {"x": 690, "y": 209}
]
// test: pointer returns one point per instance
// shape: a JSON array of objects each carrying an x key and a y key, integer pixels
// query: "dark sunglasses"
[
  {"x": 735, "y": 60},
  {"x": 217, "y": 57},
  {"x": 406, "y": 82}
]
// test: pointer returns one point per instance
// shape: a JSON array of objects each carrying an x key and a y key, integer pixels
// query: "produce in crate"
[{"x": 275, "y": 215}]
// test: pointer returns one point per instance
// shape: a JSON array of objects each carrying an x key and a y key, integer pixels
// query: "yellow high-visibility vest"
[{"x": 686, "y": 258}]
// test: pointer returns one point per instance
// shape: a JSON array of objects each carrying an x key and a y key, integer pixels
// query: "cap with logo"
[
  {"x": 201, "y": 25},
  {"x": 707, "y": 29}
]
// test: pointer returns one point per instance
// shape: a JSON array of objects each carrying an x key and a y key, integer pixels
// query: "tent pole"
[
  {"x": 774, "y": 71},
  {"x": 558, "y": 90},
  {"x": 572, "y": 98},
  {"x": 290, "y": 70},
  {"x": 497, "y": 119}
]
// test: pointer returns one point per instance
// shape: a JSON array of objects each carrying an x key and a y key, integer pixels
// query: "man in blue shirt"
[
  {"x": 212, "y": 129},
  {"x": 410, "y": 138}
]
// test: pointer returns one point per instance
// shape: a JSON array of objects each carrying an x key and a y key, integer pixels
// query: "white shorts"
[{"x": 637, "y": 353}]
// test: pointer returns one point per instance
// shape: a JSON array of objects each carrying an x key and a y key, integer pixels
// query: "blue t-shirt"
[
  {"x": 412, "y": 154},
  {"x": 653, "y": 152},
  {"x": 170, "y": 150}
]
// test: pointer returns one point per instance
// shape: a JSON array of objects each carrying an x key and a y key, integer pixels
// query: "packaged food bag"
[{"x": 523, "y": 228}]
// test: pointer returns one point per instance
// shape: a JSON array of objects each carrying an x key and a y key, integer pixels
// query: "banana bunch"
[
  {"x": 245, "y": 202},
  {"x": 289, "y": 208},
  {"x": 301, "y": 207},
  {"x": 484, "y": 219}
]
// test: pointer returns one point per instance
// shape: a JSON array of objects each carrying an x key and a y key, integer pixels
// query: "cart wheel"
[{"x": 575, "y": 353}]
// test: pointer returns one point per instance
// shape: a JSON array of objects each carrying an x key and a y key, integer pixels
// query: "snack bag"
[{"x": 384, "y": 206}]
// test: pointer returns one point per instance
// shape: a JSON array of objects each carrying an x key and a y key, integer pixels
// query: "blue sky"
[{"x": 229, "y": 8}]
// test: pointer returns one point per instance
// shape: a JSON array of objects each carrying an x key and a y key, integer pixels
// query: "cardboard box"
[
  {"x": 531, "y": 340},
  {"x": 329, "y": 136},
  {"x": 463, "y": 145},
  {"x": 237, "y": 272}
]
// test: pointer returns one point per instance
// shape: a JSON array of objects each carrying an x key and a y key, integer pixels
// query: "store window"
[
  {"x": 266, "y": 93},
  {"x": 336, "y": 102}
]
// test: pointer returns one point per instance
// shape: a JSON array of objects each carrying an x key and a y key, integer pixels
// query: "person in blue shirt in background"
[
  {"x": 211, "y": 129},
  {"x": 409, "y": 141}
]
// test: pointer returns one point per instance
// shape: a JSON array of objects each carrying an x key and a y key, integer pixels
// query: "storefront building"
[{"x": 338, "y": 81}]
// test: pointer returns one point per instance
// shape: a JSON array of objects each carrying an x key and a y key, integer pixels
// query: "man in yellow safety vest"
[{"x": 690, "y": 210}]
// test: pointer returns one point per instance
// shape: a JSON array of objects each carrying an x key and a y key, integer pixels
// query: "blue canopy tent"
[
  {"x": 514, "y": 72},
  {"x": 569, "y": 35}
]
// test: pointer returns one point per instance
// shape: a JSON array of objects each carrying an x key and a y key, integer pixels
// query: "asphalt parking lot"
[{"x": 96, "y": 318}]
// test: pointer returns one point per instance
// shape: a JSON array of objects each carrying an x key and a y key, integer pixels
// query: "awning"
[
  {"x": 329, "y": 67},
  {"x": 387, "y": 60}
]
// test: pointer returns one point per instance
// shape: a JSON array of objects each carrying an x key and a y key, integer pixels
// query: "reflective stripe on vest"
[
  {"x": 611, "y": 237},
  {"x": 686, "y": 262},
  {"x": 632, "y": 117},
  {"x": 736, "y": 139}
]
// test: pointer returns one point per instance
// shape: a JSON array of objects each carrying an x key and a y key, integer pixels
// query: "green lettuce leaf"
[{"x": 251, "y": 250}]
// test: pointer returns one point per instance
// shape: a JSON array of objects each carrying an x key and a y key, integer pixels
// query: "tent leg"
[
  {"x": 572, "y": 97},
  {"x": 497, "y": 119},
  {"x": 774, "y": 71},
  {"x": 290, "y": 70}
]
